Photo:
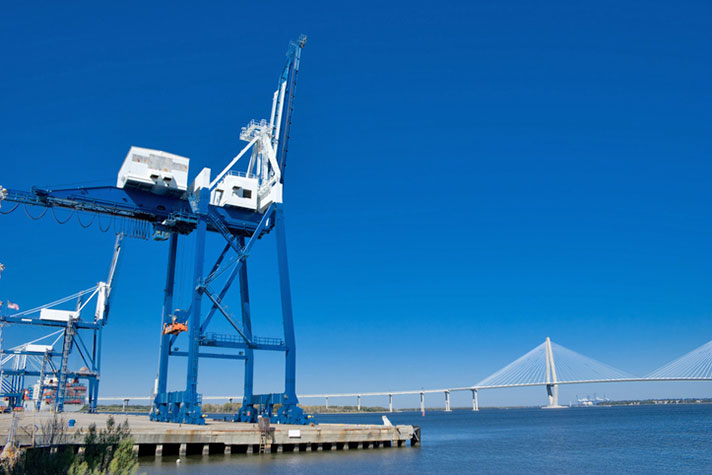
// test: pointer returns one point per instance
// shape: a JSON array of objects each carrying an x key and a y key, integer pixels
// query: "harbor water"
[{"x": 620, "y": 439}]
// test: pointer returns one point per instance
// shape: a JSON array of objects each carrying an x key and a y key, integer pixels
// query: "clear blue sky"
[{"x": 464, "y": 179}]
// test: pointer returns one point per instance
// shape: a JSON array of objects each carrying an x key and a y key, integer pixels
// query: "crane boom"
[
  {"x": 104, "y": 288},
  {"x": 289, "y": 75}
]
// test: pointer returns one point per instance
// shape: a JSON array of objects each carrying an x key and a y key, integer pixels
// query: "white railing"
[
  {"x": 252, "y": 129},
  {"x": 243, "y": 174}
]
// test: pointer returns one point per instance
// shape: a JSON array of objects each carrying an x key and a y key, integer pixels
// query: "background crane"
[{"x": 46, "y": 361}]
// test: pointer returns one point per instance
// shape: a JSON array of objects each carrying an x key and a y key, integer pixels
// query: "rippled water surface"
[{"x": 632, "y": 439}]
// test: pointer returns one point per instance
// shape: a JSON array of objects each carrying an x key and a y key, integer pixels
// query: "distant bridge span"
[{"x": 538, "y": 367}]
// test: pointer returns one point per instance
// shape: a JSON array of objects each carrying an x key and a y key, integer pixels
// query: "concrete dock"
[{"x": 215, "y": 437}]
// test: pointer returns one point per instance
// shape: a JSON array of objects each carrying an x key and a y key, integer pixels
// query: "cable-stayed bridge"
[{"x": 548, "y": 365}]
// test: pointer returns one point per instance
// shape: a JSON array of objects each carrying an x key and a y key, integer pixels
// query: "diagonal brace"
[
  {"x": 230, "y": 279},
  {"x": 242, "y": 255},
  {"x": 216, "y": 304},
  {"x": 243, "y": 252},
  {"x": 81, "y": 346},
  {"x": 219, "y": 259},
  {"x": 217, "y": 221}
]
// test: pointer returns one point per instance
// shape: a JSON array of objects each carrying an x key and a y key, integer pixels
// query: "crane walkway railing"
[{"x": 228, "y": 338}]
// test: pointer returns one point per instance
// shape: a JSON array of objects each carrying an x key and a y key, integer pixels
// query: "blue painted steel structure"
[
  {"x": 72, "y": 332},
  {"x": 170, "y": 217}
]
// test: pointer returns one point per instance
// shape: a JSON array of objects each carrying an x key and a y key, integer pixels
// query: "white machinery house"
[
  {"x": 260, "y": 185},
  {"x": 154, "y": 170},
  {"x": 255, "y": 189}
]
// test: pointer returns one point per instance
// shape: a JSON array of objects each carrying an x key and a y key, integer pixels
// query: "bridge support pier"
[
  {"x": 422, "y": 403},
  {"x": 358, "y": 402},
  {"x": 390, "y": 403},
  {"x": 447, "y": 401},
  {"x": 327, "y": 402},
  {"x": 475, "y": 402},
  {"x": 552, "y": 393}
]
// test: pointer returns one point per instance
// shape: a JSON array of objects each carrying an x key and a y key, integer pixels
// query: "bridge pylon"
[{"x": 552, "y": 389}]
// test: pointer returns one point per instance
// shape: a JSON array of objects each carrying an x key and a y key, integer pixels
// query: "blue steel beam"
[
  {"x": 190, "y": 410},
  {"x": 243, "y": 346},
  {"x": 222, "y": 229},
  {"x": 32, "y": 372},
  {"x": 108, "y": 200},
  {"x": 166, "y": 213},
  {"x": 241, "y": 257},
  {"x": 264, "y": 225},
  {"x": 94, "y": 396},
  {"x": 227, "y": 316},
  {"x": 290, "y": 383},
  {"x": 165, "y": 339},
  {"x": 88, "y": 361},
  {"x": 49, "y": 323},
  {"x": 219, "y": 260},
  {"x": 211, "y": 355},
  {"x": 254, "y": 405},
  {"x": 247, "y": 322}
]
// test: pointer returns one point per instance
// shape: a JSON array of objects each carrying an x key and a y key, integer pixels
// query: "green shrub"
[{"x": 106, "y": 452}]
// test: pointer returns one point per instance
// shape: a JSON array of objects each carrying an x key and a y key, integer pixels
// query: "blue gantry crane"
[
  {"x": 152, "y": 197},
  {"x": 48, "y": 363}
]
